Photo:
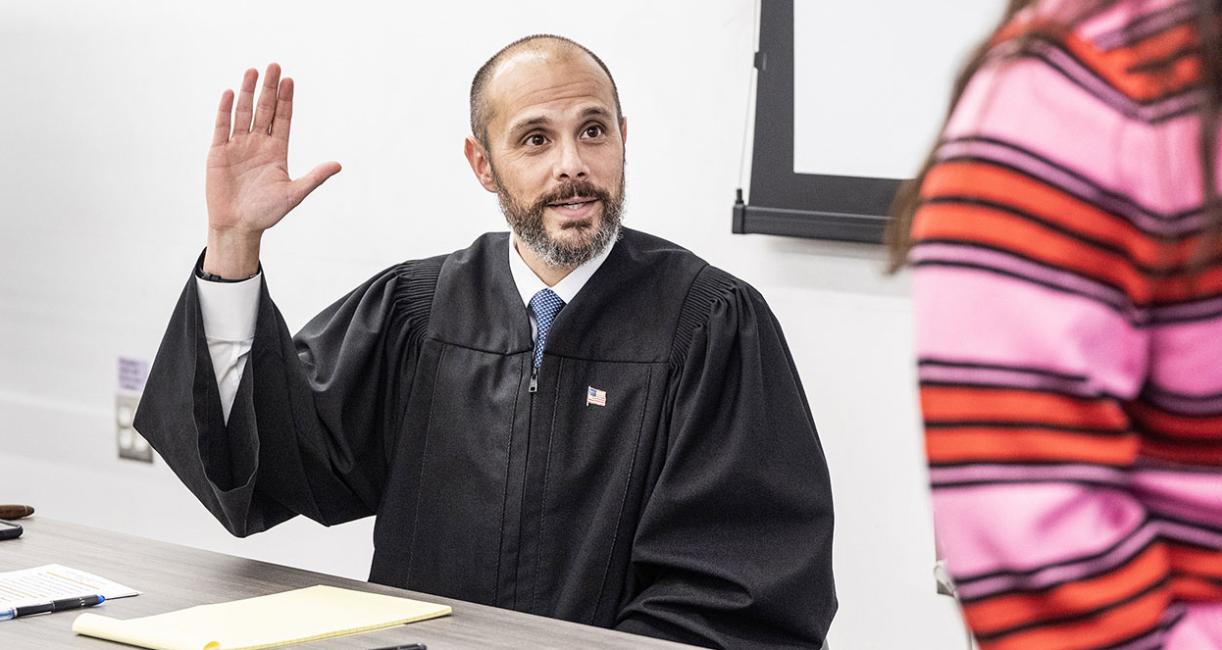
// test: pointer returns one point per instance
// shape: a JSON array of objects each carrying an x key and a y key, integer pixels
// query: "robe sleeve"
[
  {"x": 734, "y": 546},
  {"x": 314, "y": 417}
]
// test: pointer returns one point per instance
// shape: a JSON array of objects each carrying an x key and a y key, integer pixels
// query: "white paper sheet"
[{"x": 54, "y": 582}]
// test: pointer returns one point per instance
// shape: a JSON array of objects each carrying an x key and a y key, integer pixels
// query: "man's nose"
[{"x": 570, "y": 165}]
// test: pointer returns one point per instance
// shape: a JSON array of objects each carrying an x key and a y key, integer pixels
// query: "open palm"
[{"x": 248, "y": 184}]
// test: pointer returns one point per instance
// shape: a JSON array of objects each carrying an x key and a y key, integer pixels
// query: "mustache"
[{"x": 570, "y": 190}]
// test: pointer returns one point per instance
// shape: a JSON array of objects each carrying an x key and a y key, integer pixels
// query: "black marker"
[{"x": 410, "y": 646}]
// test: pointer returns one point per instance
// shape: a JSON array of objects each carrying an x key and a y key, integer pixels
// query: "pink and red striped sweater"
[{"x": 1070, "y": 357}]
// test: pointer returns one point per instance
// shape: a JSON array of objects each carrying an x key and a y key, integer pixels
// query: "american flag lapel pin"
[{"x": 595, "y": 397}]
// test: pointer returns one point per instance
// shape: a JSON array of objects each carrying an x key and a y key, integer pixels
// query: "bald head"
[{"x": 550, "y": 46}]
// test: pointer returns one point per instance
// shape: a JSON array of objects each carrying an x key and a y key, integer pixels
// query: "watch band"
[{"x": 212, "y": 277}]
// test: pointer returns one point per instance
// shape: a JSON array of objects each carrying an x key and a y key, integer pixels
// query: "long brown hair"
[{"x": 898, "y": 234}]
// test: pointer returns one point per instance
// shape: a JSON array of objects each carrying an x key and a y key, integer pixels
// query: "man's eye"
[
  {"x": 536, "y": 140},
  {"x": 594, "y": 131}
]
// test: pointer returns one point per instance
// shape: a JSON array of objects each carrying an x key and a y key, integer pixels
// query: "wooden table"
[{"x": 171, "y": 577}]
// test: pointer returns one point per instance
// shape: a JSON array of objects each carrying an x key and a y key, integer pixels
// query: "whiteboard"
[{"x": 872, "y": 80}]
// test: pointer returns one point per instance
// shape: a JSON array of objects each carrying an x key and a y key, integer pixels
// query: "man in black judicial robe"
[{"x": 643, "y": 460}]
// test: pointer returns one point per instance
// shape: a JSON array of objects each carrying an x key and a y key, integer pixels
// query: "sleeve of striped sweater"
[{"x": 1032, "y": 278}]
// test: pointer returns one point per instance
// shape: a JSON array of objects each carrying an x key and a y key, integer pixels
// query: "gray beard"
[
  {"x": 563, "y": 255},
  {"x": 527, "y": 224}
]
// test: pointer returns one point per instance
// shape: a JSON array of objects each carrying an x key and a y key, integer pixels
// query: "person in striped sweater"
[{"x": 1067, "y": 283}]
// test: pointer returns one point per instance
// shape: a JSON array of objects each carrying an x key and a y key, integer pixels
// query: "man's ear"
[
  {"x": 623, "y": 129},
  {"x": 480, "y": 163}
]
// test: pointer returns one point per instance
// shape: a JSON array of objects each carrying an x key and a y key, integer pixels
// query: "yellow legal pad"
[{"x": 265, "y": 622}]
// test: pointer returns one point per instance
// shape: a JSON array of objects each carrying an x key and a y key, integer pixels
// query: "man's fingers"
[
  {"x": 302, "y": 187},
  {"x": 246, "y": 103},
  {"x": 284, "y": 109},
  {"x": 220, "y": 133},
  {"x": 267, "y": 99}
]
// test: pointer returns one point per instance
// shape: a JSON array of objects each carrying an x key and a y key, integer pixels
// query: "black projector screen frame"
[{"x": 782, "y": 201}]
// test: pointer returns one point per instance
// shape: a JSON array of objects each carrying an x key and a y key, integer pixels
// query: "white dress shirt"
[
  {"x": 230, "y": 311},
  {"x": 529, "y": 284}
]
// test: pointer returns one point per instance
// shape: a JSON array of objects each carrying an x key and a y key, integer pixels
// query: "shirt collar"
[{"x": 529, "y": 284}]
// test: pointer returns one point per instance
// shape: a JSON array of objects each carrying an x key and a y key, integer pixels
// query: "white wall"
[{"x": 105, "y": 115}]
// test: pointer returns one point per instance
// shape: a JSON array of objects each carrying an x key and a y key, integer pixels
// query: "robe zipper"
[{"x": 530, "y": 426}]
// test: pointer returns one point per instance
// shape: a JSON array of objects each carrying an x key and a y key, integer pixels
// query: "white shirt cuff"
[{"x": 230, "y": 309}]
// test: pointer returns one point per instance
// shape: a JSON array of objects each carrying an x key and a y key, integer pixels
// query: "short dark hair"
[{"x": 480, "y": 113}]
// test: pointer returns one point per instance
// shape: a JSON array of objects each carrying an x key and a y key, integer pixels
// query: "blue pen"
[{"x": 53, "y": 606}]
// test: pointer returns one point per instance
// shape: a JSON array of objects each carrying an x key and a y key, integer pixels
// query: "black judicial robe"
[{"x": 694, "y": 506}]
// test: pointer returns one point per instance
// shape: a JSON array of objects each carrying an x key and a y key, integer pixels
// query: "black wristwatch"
[{"x": 212, "y": 277}]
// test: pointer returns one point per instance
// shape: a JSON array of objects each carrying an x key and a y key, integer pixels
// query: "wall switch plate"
[{"x": 132, "y": 445}]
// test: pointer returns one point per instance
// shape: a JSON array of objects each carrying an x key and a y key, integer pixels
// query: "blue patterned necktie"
[{"x": 546, "y": 304}]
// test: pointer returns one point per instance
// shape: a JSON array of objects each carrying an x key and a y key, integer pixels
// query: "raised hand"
[{"x": 248, "y": 184}]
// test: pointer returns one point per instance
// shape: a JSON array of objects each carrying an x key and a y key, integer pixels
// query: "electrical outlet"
[{"x": 132, "y": 445}]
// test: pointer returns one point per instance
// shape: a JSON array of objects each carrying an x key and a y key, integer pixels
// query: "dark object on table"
[
  {"x": 9, "y": 530},
  {"x": 15, "y": 511}
]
